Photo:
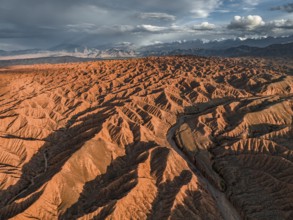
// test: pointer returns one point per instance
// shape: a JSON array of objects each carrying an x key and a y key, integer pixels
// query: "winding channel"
[{"x": 225, "y": 207}]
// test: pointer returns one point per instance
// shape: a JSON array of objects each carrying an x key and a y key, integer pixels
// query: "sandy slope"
[{"x": 153, "y": 138}]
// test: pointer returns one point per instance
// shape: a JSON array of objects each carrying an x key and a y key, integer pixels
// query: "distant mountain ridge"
[
  {"x": 275, "y": 50},
  {"x": 270, "y": 46},
  {"x": 283, "y": 50},
  {"x": 215, "y": 45}
]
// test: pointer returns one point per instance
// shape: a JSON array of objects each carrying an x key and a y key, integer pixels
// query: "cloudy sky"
[{"x": 46, "y": 23}]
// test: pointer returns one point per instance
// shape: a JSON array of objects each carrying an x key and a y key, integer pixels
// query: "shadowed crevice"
[
  {"x": 120, "y": 178},
  {"x": 167, "y": 191},
  {"x": 190, "y": 207},
  {"x": 106, "y": 211},
  {"x": 14, "y": 208},
  {"x": 52, "y": 156},
  {"x": 159, "y": 158}
]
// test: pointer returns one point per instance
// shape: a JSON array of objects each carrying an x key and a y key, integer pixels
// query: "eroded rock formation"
[{"x": 152, "y": 138}]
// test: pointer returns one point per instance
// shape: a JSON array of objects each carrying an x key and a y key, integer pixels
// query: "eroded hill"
[{"x": 153, "y": 138}]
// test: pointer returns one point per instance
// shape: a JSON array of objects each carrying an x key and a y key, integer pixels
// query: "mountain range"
[{"x": 270, "y": 46}]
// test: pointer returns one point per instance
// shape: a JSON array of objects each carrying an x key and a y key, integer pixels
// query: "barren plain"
[{"x": 152, "y": 138}]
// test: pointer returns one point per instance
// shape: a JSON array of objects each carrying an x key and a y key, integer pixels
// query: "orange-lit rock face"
[{"x": 154, "y": 138}]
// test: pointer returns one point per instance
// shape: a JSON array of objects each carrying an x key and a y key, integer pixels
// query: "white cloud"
[
  {"x": 252, "y": 2},
  {"x": 283, "y": 24},
  {"x": 150, "y": 28},
  {"x": 159, "y": 16},
  {"x": 250, "y": 22},
  {"x": 256, "y": 26},
  {"x": 204, "y": 26},
  {"x": 203, "y": 8},
  {"x": 200, "y": 13}
]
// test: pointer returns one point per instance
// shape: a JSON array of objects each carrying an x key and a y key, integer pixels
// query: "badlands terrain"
[{"x": 152, "y": 138}]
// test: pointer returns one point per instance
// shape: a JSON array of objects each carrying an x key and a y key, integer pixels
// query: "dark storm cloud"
[
  {"x": 43, "y": 23},
  {"x": 287, "y": 8},
  {"x": 59, "y": 12},
  {"x": 179, "y": 8},
  {"x": 96, "y": 21}
]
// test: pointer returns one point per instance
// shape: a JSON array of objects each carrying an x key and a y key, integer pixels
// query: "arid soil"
[{"x": 152, "y": 138}]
